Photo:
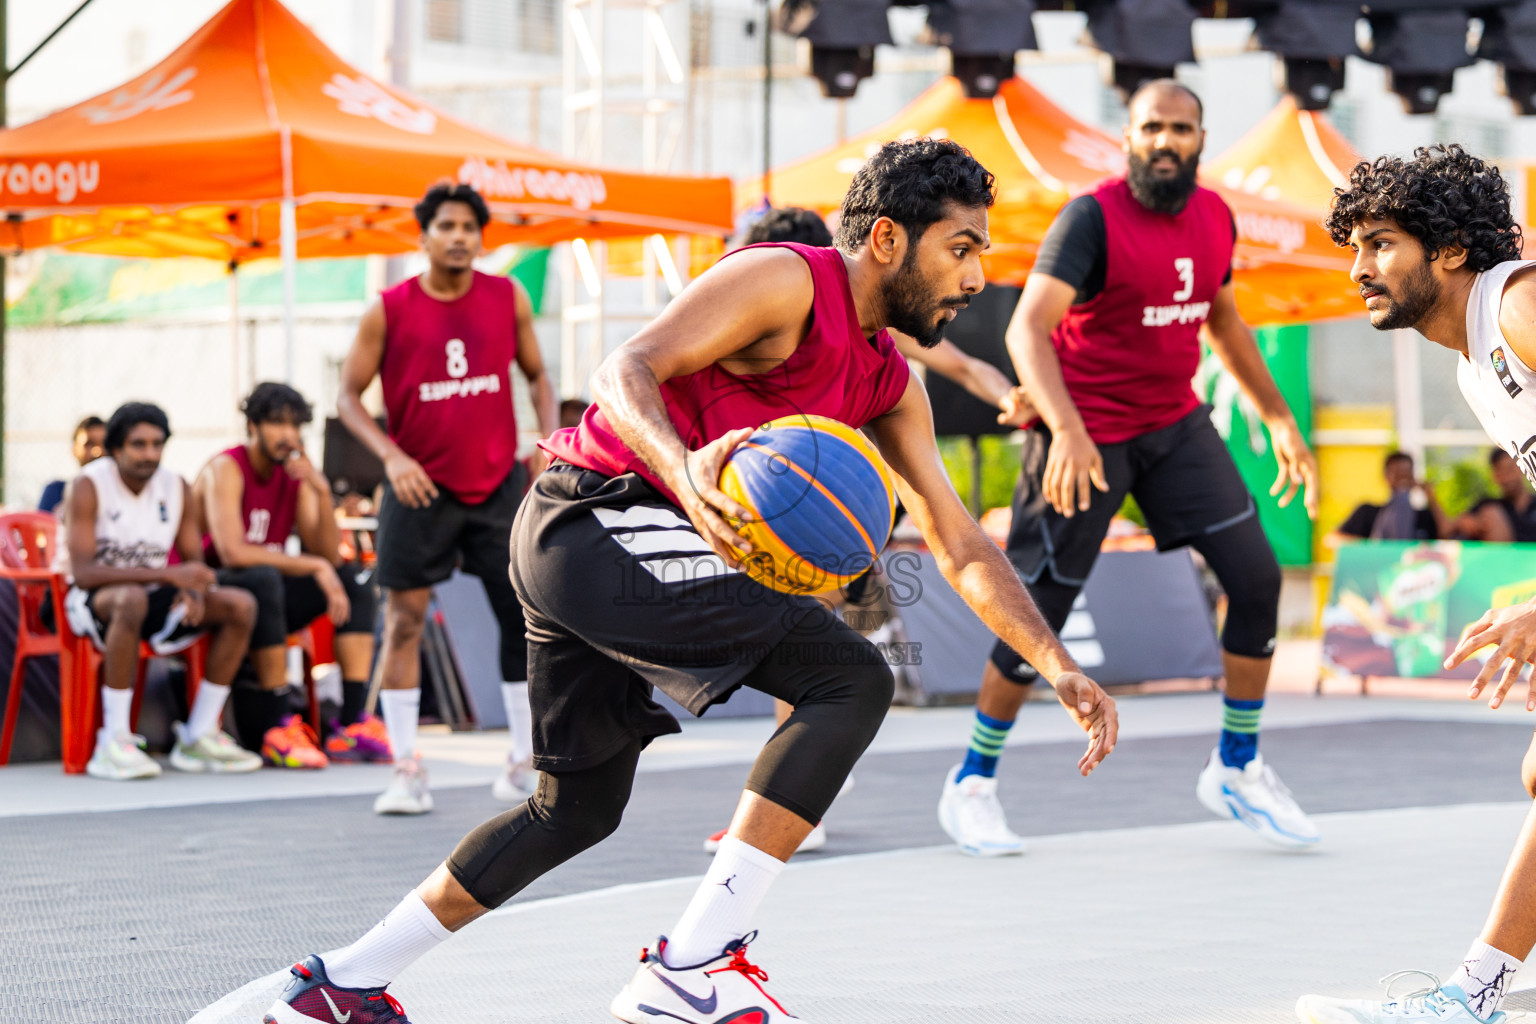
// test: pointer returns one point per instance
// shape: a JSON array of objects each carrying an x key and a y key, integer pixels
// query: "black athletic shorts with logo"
[
  {"x": 621, "y": 595},
  {"x": 420, "y": 547},
  {"x": 1183, "y": 480}
]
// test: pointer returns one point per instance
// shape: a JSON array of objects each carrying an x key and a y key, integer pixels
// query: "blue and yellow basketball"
[{"x": 821, "y": 502}]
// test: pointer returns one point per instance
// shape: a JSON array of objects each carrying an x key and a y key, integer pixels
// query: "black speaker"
[
  {"x": 347, "y": 463},
  {"x": 978, "y": 331}
]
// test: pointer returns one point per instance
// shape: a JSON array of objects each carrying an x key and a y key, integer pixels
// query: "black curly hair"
[
  {"x": 1444, "y": 196},
  {"x": 271, "y": 402},
  {"x": 442, "y": 193},
  {"x": 910, "y": 182},
  {"x": 789, "y": 224}
]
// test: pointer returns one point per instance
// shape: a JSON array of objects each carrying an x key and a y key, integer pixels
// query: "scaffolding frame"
[{"x": 593, "y": 91}]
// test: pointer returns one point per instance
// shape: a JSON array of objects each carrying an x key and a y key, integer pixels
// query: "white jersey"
[
  {"x": 1496, "y": 384},
  {"x": 133, "y": 531}
]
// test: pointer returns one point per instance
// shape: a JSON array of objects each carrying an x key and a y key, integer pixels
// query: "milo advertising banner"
[
  {"x": 1398, "y": 607},
  {"x": 1285, "y": 352}
]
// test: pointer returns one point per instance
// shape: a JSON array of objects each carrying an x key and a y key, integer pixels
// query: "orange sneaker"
[
  {"x": 292, "y": 745},
  {"x": 363, "y": 740}
]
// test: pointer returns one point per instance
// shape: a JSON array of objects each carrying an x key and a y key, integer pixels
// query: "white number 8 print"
[
  {"x": 458, "y": 365},
  {"x": 1186, "y": 268}
]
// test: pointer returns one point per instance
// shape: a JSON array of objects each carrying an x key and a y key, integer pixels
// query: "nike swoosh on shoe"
[{"x": 705, "y": 1006}]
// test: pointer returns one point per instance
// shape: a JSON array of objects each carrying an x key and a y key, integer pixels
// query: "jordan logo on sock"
[{"x": 727, "y": 884}]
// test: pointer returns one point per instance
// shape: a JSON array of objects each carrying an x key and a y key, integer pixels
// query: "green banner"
[
  {"x": 1397, "y": 608},
  {"x": 1285, "y": 351}
]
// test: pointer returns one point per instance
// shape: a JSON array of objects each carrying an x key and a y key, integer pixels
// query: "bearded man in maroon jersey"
[{"x": 1130, "y": 280}]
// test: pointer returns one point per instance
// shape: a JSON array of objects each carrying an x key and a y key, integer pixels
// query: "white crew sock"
[
  {"x": 392, "y": 945},
  {"x": 723, "y": 908},
  {"x": 116, "y": 706},
  {"x": 519, "y": 720},
  {"x": 1485, "y": 976},
  {"x": 402, "y": 711},
  {"x": 207, "y": 710}
]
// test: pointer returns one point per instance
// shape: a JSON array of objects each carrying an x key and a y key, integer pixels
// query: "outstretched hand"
[
  {"x": 1094, "y": 711},
  {"x": 1512, "y": 633}
]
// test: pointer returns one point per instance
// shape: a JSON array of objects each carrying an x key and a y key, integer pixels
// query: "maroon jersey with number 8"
[
  {"x": 1127, "y": 354},
  {"x": 447, "y": 382}
]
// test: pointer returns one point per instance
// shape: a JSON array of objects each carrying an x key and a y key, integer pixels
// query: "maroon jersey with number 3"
[
  {"x": 1128, "y": 354},
  {"x": 447, "y": 382},
  {"x": 269, "y": 508}
]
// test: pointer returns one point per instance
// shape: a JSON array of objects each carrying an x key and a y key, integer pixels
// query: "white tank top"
[
  {"x": 1496, "y": 384},
  {"x": 133, "y": 531}
]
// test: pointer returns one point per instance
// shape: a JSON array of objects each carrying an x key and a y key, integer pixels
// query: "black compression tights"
[{"x": 826, "y": 671}]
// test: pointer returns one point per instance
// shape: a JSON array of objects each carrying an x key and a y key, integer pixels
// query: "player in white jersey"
[
  {"x": 123, "y": 516},
  {"x": 1436, "y": 249}
]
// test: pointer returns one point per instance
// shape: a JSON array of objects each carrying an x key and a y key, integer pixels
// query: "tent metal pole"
[{"x": 290, "y": 250}]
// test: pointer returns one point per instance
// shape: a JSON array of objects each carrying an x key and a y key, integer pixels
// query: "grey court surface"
[{"x": 1131, "y": 905}]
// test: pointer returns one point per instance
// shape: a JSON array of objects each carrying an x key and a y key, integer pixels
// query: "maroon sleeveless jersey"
[
  {"x": 448, "y": 385},
  {"x": 1128, "y": 354},
  {"x": 269, "y": 508},
  {"x": 835, "y": 371}
]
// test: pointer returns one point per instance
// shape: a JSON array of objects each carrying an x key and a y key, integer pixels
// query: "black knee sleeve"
[
  {"x": 1054, "y": 599},
  {"x": 569, "y": 813},
  {"x": 362, "y": 595},
  {"x": 1245, "y": 565},
  {"x": 265, "y": 584},
  {"x": 840, "y": 688}
]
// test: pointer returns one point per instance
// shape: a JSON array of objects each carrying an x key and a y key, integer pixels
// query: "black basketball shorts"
[
  {"x": 622, "y": 595},
  {"x": 1182, "y": 477},
  {"x": 420, "y": 547}
]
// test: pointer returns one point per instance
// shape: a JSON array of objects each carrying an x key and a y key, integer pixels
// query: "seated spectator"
[
  {"x": 90, "y": 435},
  {"x": 1411, "y": 511},
  {"x": 253, "y": 497},
  {"x": 123, "y": 515},
  {"x": 1509, "y": 517}
]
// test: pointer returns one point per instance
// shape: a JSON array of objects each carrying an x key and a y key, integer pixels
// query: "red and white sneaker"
[{"x": 727, "y": 989}]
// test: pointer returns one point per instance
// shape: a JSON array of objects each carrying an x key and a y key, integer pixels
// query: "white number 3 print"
[
  {"x": 1186, "y": 269},
  {"x": 458, "y": 365}
]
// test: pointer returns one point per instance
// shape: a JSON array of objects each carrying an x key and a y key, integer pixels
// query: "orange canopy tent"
[
  {"x": 1293, "y": 155},
  {"x": 1287, "y": 269},
  {"x": 196, "y": 156},
  {"x": 254, "y": 140}
]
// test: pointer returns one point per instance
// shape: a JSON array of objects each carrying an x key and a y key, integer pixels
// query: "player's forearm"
[
  {"x": 545, "y": 409},
  {"x": 987, "y": 382},
  {"x": 628, "y": 393},
  {"x": 323, "y": 538},
  {"x": 1235, "y": 346},
  {"x": 91, "y": 576},
  {"x": 349, "y": 409},
  {"x": 1034, "y": 360}
]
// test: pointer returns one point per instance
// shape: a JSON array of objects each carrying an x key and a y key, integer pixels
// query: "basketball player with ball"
[
  {"x": 1130, "y": 280},
  {"x": 630, "y": 574}
]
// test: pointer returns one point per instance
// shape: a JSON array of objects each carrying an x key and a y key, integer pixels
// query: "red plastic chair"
[{"x": 26, "y": 550}]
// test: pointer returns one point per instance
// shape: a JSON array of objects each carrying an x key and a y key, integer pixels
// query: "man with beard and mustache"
[
  {"x": 442, "y": 345},
  {"x": 628, "y": 570},
  {"x": 253, "y": 497},
  {"x": 1437, "y": 249},
  {"x": 1130, "y": 280}
]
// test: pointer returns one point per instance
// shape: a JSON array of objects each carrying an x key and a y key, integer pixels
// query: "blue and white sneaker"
[
  {"x": 1255, "y": 796},
  {"x": 1435, "y": 1004},
  {"x": 311, "y": 997},
  {"x": 725, "y": 989},
  {"x": 971, "y": 815}
]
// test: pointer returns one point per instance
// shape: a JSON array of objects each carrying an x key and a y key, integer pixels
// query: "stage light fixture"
[
  {"x": 1509, "y": 37},
  {"x": 1311, "y": 38},
  {"x": 982, "y": 37},
  {"x": 1144, "y": 38},
  {"x": 1421, "y": 50},
  {"x": 843, "y": 35}
]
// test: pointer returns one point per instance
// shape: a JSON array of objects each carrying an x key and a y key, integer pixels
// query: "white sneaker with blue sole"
[
  {"x": 971, "y": 815},
  {"x": 1435, "y": 1004},
  {"x": 1255, "y": 796}
]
